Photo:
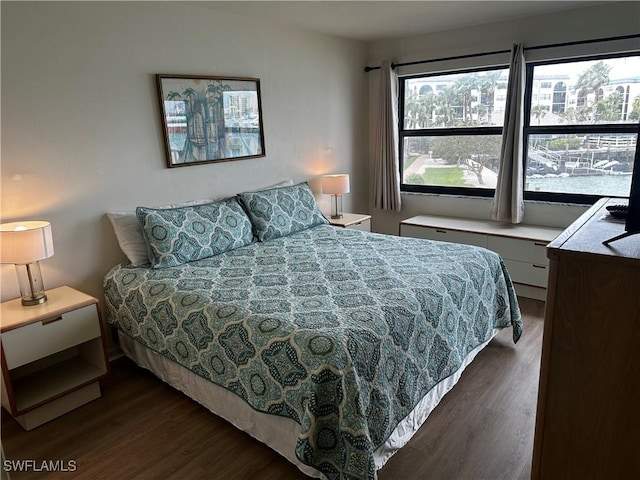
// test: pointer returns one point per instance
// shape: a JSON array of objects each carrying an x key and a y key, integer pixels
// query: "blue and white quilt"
[{"x": 341, "y": 330}]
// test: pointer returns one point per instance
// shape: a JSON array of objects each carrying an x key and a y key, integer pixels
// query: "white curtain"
[
  {"x": 386, "y": 186},
  {"x": 508, "y": 202}
]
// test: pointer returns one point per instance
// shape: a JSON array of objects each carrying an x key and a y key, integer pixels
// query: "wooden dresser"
[{"x": 588, "y": 417}]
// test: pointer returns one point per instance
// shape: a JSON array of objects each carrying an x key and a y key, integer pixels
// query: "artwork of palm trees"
[{"x": 210, "y": 119}]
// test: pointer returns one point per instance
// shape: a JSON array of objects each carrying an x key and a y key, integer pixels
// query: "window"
[
  {"x": 450, "y": 139},
  {"x": 559, "y": 97},
  {"x": 425, "y": 89},
  {"x": 581, "y": 145}
]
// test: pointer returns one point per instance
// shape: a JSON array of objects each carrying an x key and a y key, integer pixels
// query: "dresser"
[
  {"x": 522, "y": 247},
  {"x": 588, "y": 415}
]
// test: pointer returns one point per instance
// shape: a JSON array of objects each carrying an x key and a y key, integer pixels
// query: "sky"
[{"x": 622, "y": 68}]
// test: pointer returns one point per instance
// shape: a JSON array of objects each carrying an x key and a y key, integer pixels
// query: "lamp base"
[
  {"x": 30, "y": 281},
  {"x": 31, "y": 301},
  {"x": 336, "y": 206}
]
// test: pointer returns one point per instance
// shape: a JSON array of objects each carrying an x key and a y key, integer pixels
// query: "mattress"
[{"x": 341, "y": 331}]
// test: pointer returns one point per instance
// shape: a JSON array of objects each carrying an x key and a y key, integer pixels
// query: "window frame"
[
  {"x": 528, "y": 130},
  {"x": 601, "y": 128},
  {"x": 437, "y": 132}
]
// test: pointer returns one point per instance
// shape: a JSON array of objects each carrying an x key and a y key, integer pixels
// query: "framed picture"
[{"x": 210, "y": 119}]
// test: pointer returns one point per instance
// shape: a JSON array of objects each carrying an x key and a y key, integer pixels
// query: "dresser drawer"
[
  {"x": 522, "y": 250},
  {"x": 443, "y": 235},
  {"x": 527, "y": 273},
  {"x": 40, "y": 339}
]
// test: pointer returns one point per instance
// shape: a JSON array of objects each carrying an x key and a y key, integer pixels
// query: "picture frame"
[{"x": 208, "y": 119}]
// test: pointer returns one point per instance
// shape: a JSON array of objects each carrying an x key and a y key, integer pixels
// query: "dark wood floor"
[{"x": 143, "y": 429}]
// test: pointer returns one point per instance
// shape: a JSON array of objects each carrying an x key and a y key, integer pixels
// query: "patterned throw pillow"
[
  {"x": 180, "y": 235},
  {"x": 279, "y": 212}
]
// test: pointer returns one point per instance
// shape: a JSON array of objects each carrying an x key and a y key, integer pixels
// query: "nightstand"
[
  {"x": 354, "y": 221},
  {"x": 53, "y": 356}
]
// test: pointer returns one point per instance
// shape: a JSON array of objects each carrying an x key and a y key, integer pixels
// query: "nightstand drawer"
[
  {"x": 364, "y": 226},
  {"x": 40, "y": 339}
]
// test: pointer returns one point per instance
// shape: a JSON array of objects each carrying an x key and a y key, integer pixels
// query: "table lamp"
[
  {"x": 25, "y": 244},
  {"x": 336, "y": 185}
]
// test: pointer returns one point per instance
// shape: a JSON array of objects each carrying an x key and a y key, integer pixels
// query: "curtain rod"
[{"x": 535, "y": 47}]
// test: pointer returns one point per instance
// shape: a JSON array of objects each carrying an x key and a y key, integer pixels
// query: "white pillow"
[{"x": 129, "y": 234}]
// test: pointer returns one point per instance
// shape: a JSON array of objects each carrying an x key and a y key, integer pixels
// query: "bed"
[{"x": 330, "y": 345}]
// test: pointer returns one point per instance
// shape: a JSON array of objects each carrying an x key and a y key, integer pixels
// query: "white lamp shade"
[
  {"x": 335, "y": 184},
  {"x": 25, "y": 242}
]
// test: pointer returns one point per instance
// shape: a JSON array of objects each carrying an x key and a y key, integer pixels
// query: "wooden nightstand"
[
  {"x": 53, "y": 356},
  {"x": 355, "y": 221}
]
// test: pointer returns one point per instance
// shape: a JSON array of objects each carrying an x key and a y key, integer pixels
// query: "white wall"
[
  {"x": 607, "y": 20},
  {"x": 81, "y": 125}
]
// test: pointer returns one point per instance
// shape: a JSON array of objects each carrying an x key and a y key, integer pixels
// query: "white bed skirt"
[{"x": 279, "y": 433}]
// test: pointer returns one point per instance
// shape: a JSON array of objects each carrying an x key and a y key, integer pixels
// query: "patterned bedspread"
[{"x": 343, "y": 331}]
